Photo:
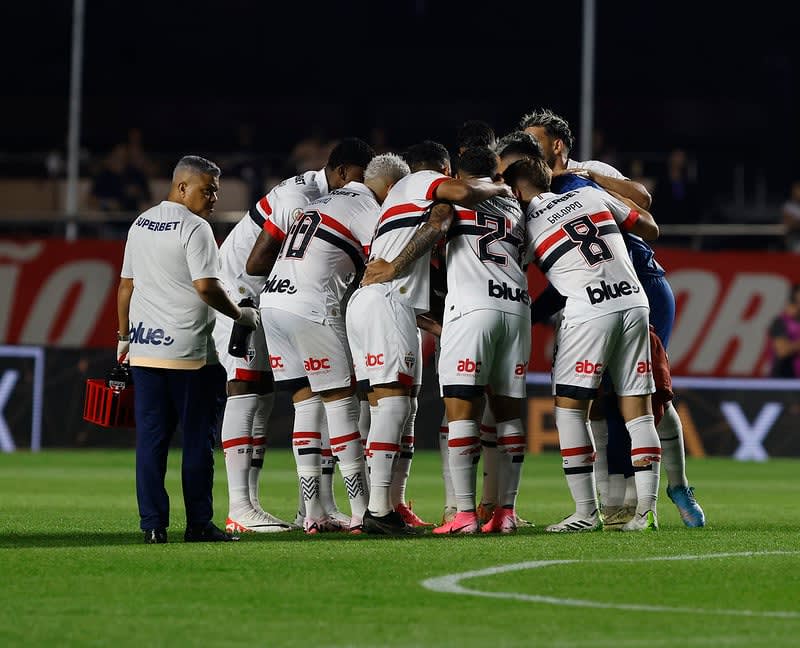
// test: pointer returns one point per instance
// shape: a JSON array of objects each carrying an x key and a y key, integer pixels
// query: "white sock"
[
  {"x": 615, "y": 497},
  {"x": 600, "y": 436},
  {"x": 237, "y": 443},
  {"x": 449, "y": 493},
  {"x": 673, "y": 455},
  {"x": 306, "y": 444},
  {"x": 264, "y": 409},
  {"x": 646, "y": 459},
  {"x": 464, "y": 443},
  {"x": 631, "y": 497},
  {"x": 577, "y": 453},
  {"x": 402, "y": 465},
  {"x": 345, "y": 441},
  {"x": 328, "y": 464},
  {"x": 383, "y": 446},
  {"x": 489, "y": 452},
  {"x": 364, "y": 418},
  {"x": 511, "y": 454}
]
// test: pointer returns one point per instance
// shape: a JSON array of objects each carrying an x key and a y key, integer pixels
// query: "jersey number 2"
[{"x": 498, "y": 225}]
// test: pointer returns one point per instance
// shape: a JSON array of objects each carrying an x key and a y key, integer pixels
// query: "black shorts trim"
[
  {"x": 578, "y": 393},
  {"x": 467, "y": 392},
  {"x": 292, "y": 385}
]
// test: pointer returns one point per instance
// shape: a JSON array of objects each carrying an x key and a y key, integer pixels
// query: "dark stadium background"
[{"x": 719, "y": 81}]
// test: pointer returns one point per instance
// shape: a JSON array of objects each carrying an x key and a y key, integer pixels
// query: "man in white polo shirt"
[{"x": 166, "y": 302}]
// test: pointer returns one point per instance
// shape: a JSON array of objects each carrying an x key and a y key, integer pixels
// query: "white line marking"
[{"x": 450, "y": 584}]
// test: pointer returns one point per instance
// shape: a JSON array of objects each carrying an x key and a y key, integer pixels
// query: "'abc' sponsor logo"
[
  {"x": 644, "y": 367},
  {"x": 317, "y": 364},
  {"x": 154, "y": 336},
  {"x": 468, "y": 366},
  {"x": 276, "y": 362},
  {"x": 605, "y": 291},
  {"x": 588, "y": 367},
  {"x": 374, "y": 359},
  {"x": 504, "y": 291}
]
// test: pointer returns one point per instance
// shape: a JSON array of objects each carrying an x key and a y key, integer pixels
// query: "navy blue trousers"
[
  {"x": 164, "y": 398},
  {"x": 662, "y": 316}
]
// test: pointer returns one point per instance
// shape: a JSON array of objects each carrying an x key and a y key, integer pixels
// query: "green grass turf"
[{"x": 74, "y": 571}]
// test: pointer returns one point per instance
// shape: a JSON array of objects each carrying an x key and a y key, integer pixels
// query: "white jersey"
[
  {"x": 323, "y": 250},
  {"x": 402, "y": 214},
  {"x": 234, "y": 252},
  {"x": 484, "y": 249},
  {"x": 576, "y": 241},
  {"x": 276, "y": 211},
  {"x": 168, "y": 248},
  {"x": 596, "y": 165}
]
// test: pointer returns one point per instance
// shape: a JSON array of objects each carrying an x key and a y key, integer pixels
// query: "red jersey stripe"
[
  {"x": 404, "y": 208},
  {"x": 560, "y": 234},
  {"x": 265, "y": 206},
  {"x": 429, "y": 195},
  {"x": 337, "y": 226},
  {"x": 273, "y": 230},
  {"x": 630, "y": 221}
]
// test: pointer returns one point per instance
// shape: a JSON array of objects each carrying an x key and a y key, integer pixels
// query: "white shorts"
[
  {"x": 250, "y": 368},
  {"x": 618, "y": 343},
  {"x": 303, "y": 353},
  {"x": 384, "y": 338},
  {"x": 485, "y": 347}
]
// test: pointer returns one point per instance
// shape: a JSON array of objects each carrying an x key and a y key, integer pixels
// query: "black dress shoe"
[
  {"x": 155, "y": 536},
  {"x": 209, "y": 533}
]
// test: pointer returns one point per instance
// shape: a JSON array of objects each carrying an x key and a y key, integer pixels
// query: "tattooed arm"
[{"x": 380, "y": 270}]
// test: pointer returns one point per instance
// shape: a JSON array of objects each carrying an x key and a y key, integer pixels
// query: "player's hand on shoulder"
[
  {"x": 250, "y": 317},
  {"x": 378, "y": 271}
]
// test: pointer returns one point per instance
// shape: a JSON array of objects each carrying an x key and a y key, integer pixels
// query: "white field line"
[{"x": 451, "y": 584}]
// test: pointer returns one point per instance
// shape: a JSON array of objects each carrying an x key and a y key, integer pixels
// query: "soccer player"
[
  {"x": 575, "y": 240},
  {"x": 382, "y": 313},
  {"x": 485, "y": 343},
  {"x": 613, "y": 467},
  {"x": 275, "y": 214},
  {"x": 322, "y": 253},
  {"x": 250, "y": 388}
]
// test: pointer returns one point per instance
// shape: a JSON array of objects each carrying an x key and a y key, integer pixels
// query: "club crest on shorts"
[
  {"x": 410, "y": 360},
  {"x": 250, "y": 355}
]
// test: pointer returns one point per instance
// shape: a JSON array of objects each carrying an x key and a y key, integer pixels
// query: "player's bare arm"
[
  {"x": 469, "y": 193},
  {"x": 263, "y": 255},
  {"x": 631, "y": 189},
  {"x": 429, "y": 324},
  {"x": 124, "y": 294},
  {"x": 380, "y": 270}
]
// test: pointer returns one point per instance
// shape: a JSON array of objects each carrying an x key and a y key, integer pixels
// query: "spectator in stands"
[
  {"x": 676, "y": 190},
  {"x": 119, "y": 185},
  {"x": 784, "y": 338},
  {"x": 790, "y": 214}
]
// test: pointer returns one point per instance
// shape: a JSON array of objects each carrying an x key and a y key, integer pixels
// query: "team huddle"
[{"x": 350, "y": 263}]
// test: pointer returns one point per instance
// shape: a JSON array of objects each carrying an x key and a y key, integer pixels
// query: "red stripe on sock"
[
  {"x": 259, "y": 441},
  {"x": 571, "y": 452},
  {"x": 345, "y": 438},
  {"x": 463, "y": 441},
  {"x": 378, "y": 445},
  {"x": 230, "y": 443},
  {"x": 306, "y": 435},
  {"x": 636, "y": 451},
  {"x": 488, "y": 430},
  {"x": 511, "y": 440},
  {"x": 407, "y": 439}
]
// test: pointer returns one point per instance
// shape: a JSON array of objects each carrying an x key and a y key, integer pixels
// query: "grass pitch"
[{"x": 74, "y": 571}]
